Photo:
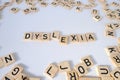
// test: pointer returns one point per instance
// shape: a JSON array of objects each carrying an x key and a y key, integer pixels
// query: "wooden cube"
[
  {"x": 89, "y": 78},
  {"x": 94, "y": 12},
  {"x": 23, "y": 76},
  {"x": 64, "y": 66},
  {"x": 63, "y": 40},
  {"x": 37, "y": 36},
  {"x": 51, "y": 71},
  {"x": 55, "y": 35},
  {"x": 78, "y": 3},
  {"x": 16, "y": 71},
  {"x": 78, "y": 9},
  {"x": 81, "y": 69},
  {"x": 8, "y": 59},
  {"x": 14, "y": 10},
  {"x": 43, "y": 4},
  {"x": 116, "y": 74},
  {"x": 26, "y": 11},
  {"x": 110, "y": 27},
  {"x": 107, "y": 78},
  {"x": 1, "y": 63},
  {"x": 97, "y": 18},
  {"x": 45, "y": 36},
  {"x": 18, "y": 1},
  {"x": 115, "y": 58},
  {"x": 73, "y": 38},
  {"x": 31, "y": 78},
  {"x": 90, "y": 37},
  {"x": 116, "y": 26},
  {"x": 111, "y": 49},
  {"x": 72, "y": 75},
  {"x": 82, "y": 38},
  {"x": 28, "y": 36},
  {"x": 55, "y": 4},
  {"x": 33, "y": 9},
  {"x": 103, "y": 70},
  {"x": 87, "y": 61},
  {"x": 110, "y": 33},
  {"x": 7, "y": 77}
]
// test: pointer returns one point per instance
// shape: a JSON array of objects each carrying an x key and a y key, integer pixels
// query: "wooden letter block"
[
  {"x": 78, "y": 9},
  {"x": 14, "y": 10},
  {"x": 81, "y": 69},
  {"x": 82, "y": 38},
  {"x": 7, "y": 77},
  {"x": 115, "y": 58},
  {"x": 107, "y": 78},
  {"x": 73, "y": 38},
  {"x": 33, "y": 9},
  {"x": 55, "y": 35},
  {"x": 103, "y": 70},
  {"x": 90, "y": 37},
  {"x": 110, "y": 33},
  {"x": 1, "y": 63},
  {"x": 18, "y": 1},
  {"x": 110, "y": 27},
  {"x": 72, "y": 75},
  {"x": 43, "y": 4},
  {"x": 51, "y": 70},
  {"x": 15, "y": 71},
  {"x": 94, "y": 12},
  {"x": 97, "y": 18},
  {"x": 64, "y": 66},
  {"x": 8, "y": 59},
  {"x": 116, "y": 74},
  {"x": 28, "y": 36},
  {"x": 36, "y": 36},
  {"x": 64, "y": 40},
  {"x": 26, "y": 11},
  {"x": 31, "y": 78},
  {"x": 45, "y": 36},
  {"x": 23, "y": 77},
  {"x": 89, "y": 78},
  {"x": 88, "y": 61},
  {"x": 111, "y": 49}
]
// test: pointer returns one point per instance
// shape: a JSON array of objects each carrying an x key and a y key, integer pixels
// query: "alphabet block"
[
  {"x": 73, "y": 38},
  {"x": 78, "y": 3},
  {"x": 15, "y": 71},
  {"x": 36, "y": 36},
  {"x": 116, "y": 25},
  {"x": 51, "y": 70},
  {"x": 8, "y": 59},
  {"x": 55, "y": 35},
  {"x": 1, "y": 63},
  {"x": 87, "y": 61},
  {"x": 31, "y": 78},
  {"x": 89, "y": 78},
  {"x": 23, "y": 76},
  {"x": 107, "y": 78},
  {"x": 78, "y": 9},
  {"x": 110, "y": 27},
  {"x": 28, "y": 36},
  {"x": 116, "y": 74},
  {"x": 97, "y": 18},
  {"x": 33, "y": 9},
  {"x": 64, "y": 40},
  {"x": 26, "y": 11},
  {"x": 18, "y": 1},
  {"x": 115, "y": 58},
  {"x": 7, "y": 77},
  {"x": 111, "y": 49},
  {"x": 64, "y": 66},
  {"x": 103, "y": 70},
  {"x": 72, "y": 75},
  {"x": 81, "y": 69},
  {"x": 14, "y": 10},
  {"x": 110, "y": 33},
  {"x": 82, "y": 38},
  {"x": 43, "y": 4},
  {"x": 94, "y": 12},
  {"x": 90, "y": 37},
  {"x": 45, "y": 36}
]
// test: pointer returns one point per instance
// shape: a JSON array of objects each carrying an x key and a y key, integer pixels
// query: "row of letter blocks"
[
  {"x": 81, "y": 69},
  {"x": 63, "y": 39}
]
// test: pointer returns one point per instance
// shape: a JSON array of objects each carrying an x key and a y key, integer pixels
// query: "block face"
[
  {"x": 116, "y": 74},
  {"x": 55, "y": 35},
  {"x": 63, "y": 40},
  {"x": 8, "y": 59},
  {"x": 111, "y": 50},
  {"x": 110, "y": 27},
  {"x": 72, "y": 75},
  {"x": 45, "y": 36},
  {"x": 51, "y": 70},
  {"x": 97, "y": 18},
  {"x": 81, "y": 69},
  {"x": 23, "y": 76},
  {"x": 64, "y": 66},
  {"x": 87, "y": 61},
  {"x": 34, "y": 9},
  {"x": 14, "y": 10},
  {"x": 15, "y": 71},
  {"x": 73, "y": 38},
  {"x": 37, "y": 36},
  {"x": 90, "y": 37},
  {"x": 103, "y": 70},
  {"x": 94, "y": 12},
  {"x": 89, "y": 78},
  {"x": 1, "y": 63},
  {"x": 28, "y": 36},
  {"x": 110, "y": 33},
  {"x": 7, "y": 77},
  {"x": 26, "y": 11},
  {"x": 115, "y": 58},
  {"x": 82, "y": 38},
  {"x": 107, "y": 78}
]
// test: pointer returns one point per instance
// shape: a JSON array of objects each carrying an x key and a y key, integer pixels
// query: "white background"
[{"x": 35, "y": 56}]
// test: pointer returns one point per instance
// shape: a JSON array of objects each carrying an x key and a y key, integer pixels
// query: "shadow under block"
[
  {"x": 111, "y": 50},
  {"x": 1, "y": 63},
  {"x": 115, "y": 58},
  {"x": 72, "y": 75},
  {"x": 88, "y": 61},
  {"x": 81, "y": 69},
  {"x": 89, "y": 78},
  {"x": 7, "y": 77},
  {"x": 116, "y": 74},
  {"x": 64, "y": 66},
  {"x": 15, "y": 71},
  {"x": 28, "y": 36},
  {"x": 22, "y": 76},
  {"x": 45, "y": 36},
  {"x": 107, "y": 78},
  {"x": 103, "y": 70},
  {"x": 51, "y": 71},
  {"x": 73, "y": 38},
  {"x": 63, "y": 40},
  {"x": 8, "y": 59},
  {"x": 90, "y": 37},
  {"x": 55, "y": 35}
]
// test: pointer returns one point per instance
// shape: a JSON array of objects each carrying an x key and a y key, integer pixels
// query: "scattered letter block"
[
  {"x": 45, "y": 36},
  {"x": 14, "y": 10},
  {"x": 73, "y": 38},
  {"x": 7, "y": 77},
  {"x": 72, "y": 75},
  {"x": 64, "y": 40},
  {"x": 116, "y": 74},
  {"x": 28, "y": 36},
  {"x": 90, "y": 37},
  {"x": 110, "y": 33},
  {"x": 23, "y": 77},
  {"x": 82, "y": 38},
  {"x": 55, "y": 35}
]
